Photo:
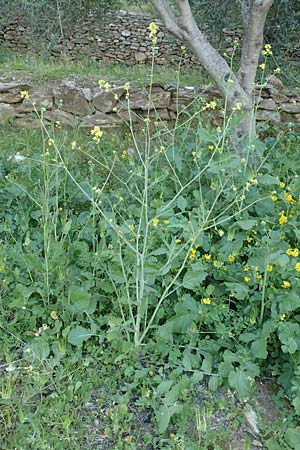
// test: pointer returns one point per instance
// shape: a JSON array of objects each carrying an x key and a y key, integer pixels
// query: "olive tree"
[{"x": 238, "y": 87}]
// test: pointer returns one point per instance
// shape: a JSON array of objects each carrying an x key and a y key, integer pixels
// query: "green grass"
[{"x": 51, "y": 69}]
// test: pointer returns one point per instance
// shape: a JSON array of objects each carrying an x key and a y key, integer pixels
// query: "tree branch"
[
  {"x": 168, "y": 17},
  {"x": 253, "y": 24}
]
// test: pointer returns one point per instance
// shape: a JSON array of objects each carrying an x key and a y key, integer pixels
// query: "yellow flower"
[
  {"x": 153, "y": 28},
  {"x": 192, "y": 251},
  {"x": 286, "y": 284},
  {"x": 101, "y": 83},
  {"x": 297, "y": 267},
  {"x": 231, "y": 258},
  {"x": 238, "y": 106},
  {"x": 206, "y": 301},
  {"x": 126, "y": 86},
  {"x": 267, "y": 51},
  {"x": 153, "y": 32},
  {"x": 259, "y": 276},
  {"x": 247, "y": 279},
  {"x": 97, "y": 133},
  {"x": 211, "y": 147},
  {"x": 262, "y": 66},
  {"x": 282, "y": 317},
  {"x": 155, "y": 222},
  {"x": 131, "y": 227},
  {"x": 277, "y": 70},
  {"x": 282, "y": 185},
  {"x": 292, "y": 252},
  {"x": 274, "y": 198},
  {"x": 246, "y": 268},
  {"x": 216, "y": 264},
  {"x": 207, "y": 257},
  {"x": 166, "y": 222},
  {"x": 124, "y": 154},
  {"x": 249, "y": 239},
  {"x": 73, "y": 145},
  {"x": 282, "y": 218},
  {"x": 24, "y": 95},
  {"x": 178, "y": 241},
  {"x": 269, "y": 268},
  {"x": 289, "y": 198}
]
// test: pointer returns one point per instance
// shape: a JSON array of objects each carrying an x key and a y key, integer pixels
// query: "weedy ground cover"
[
  {"x": 148, "y": 281},
  {"x": 139, "y": 274}
]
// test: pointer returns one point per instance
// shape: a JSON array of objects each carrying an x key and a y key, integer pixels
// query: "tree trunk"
[{"x": 237, "y": 90}]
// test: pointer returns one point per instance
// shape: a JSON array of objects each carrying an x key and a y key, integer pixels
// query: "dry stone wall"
[
  {"x": 81, "y": 103},
  {"x": 124, "y": 38}
]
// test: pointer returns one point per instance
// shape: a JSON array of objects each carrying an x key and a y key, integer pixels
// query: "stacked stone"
[
  {"x": 124, "y": 38},
  {"x": 80, "y": 103}
]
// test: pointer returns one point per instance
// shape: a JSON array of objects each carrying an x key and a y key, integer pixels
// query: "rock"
[
  {"x": 139, "y": 99},
  {"x": 275, "y": 82},
  {"x": 269, "y": 104},
  {"x": 140, "y": 57},
  {"x": 10, "y": 92},
  {"x": 292, "y": 107},
  {"x": 125, "y": 33},
  {"x": 71, "y": 98},
  {"x": 291, "y": 118},
  {"x": 105, "y": 101},
  {"x": 100, "y": 119},
  {"x": 280, "y": 98},
  {"x": 65, "y": 118},
  {"x": 7, "y": 113},
  {"x": 264, "y": 115}
]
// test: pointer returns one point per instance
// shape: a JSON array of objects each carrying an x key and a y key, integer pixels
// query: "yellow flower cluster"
[
  {"x": 297, "y": 267},
  {"x": 210, "y": 105},
  {"x": 282, "y": 218},
  {"x": 267, "y": 50},
  {"x": 153, "y": 32},
  {"x": 155, "y": 222},
  {"x": 104, "y": 85},
  {"x": 294, "y": 252},
  {"x": 289, "y": 198},
  {"x": 24, "y": 95},
  {"x": 97, "y": 134},
  {"x": 206, "y": 301},
  {"x": 231, "y": 258},
  {"x": 286, "y": 284}
]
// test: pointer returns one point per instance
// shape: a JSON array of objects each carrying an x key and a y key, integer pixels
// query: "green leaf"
[
  {"x": 67, "y": 227},
  {"x": 238, "y": 290},
  {"x": 296, "y": 404},
  {"x": 239, "y": 380},
  {"x": 247, "y": 224},
  {"x": 259, "y": 348},
  {"x": 194, "y": 279},
  {"x": 213, "y": 383},
  {"x": 79, "y": 299},
  {"x": 292, "y": 437},
  {"x": 78, "y": 335},
  {"x": 163, "y": 418},
  {"x": 163, "y": 387},
  {"x": 182, "y": 203}
]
